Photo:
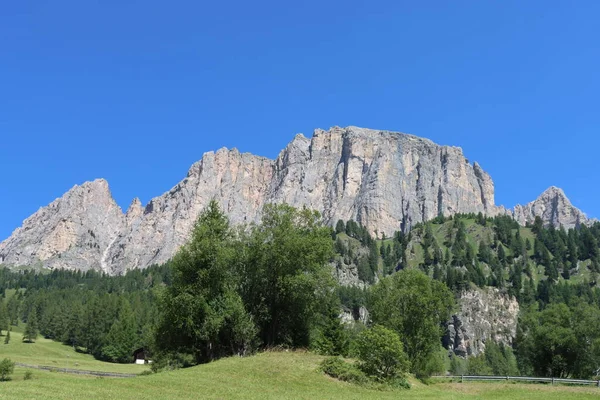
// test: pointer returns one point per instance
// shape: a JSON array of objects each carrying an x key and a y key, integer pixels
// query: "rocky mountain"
[
  {"x": 74, "y": 231},
  {"x": 553, "y": 207},
  {"x": 386, "y": 181},
  {"x": 485, "y": 314}
]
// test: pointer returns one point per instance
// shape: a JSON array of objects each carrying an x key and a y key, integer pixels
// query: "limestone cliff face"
[
  {"x": 485, "y": 314},
  {"x": 553, "y": 207},
  {"x": 152, "y": 235},
  {"x": 71, "y": 232},
  {"x": 384, "y": 180}
]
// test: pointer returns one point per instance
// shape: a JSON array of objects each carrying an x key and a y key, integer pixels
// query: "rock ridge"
[{"x": 386, "y": 181}]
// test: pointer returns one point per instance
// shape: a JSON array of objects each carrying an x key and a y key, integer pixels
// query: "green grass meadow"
[{"x": 270, "y": 375}]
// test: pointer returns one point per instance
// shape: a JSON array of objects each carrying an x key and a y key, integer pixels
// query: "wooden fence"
[
  {"x": 78, "y": 371},
  {"x": 466, "y": 378}
]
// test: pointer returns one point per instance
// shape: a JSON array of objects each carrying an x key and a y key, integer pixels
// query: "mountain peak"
[
  {"x": 386, "y": 181},
  {"x": 553, "y": 207}
]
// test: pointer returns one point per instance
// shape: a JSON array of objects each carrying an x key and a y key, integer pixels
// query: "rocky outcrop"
[
  {"x": 553, "y": 207},
  {"x": 386, "y": 181},
  {"x": 351, "y": 317},
  {"x": 71, "y": 232},
  {"x": 152, "y": 235},
  {"x": 485, "y": 314}
]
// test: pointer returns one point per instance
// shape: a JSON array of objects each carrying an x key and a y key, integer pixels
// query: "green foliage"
[
  {"x": 332, "y": 337},
  {"x": 560, "y": 340},
  {"x": 286, "y": 277},
  {"x": 7, "y": 338},
  {"x": 4, "y": 318},
  {"x": 340, "y": 227},
  {"x": 479, "y": 366},
  {"x": 458, "y": 366},
  {"x": 168, "y": 361},
  {"x": 232, "y": 290},
  {"x": 31, "y": 330},
  {"x": 415, "y": 306},
  {"x": 201, "y": 312},
  {"x": 340, "y": 369},
  {"x": 381, "y": 355},
  {"x": 121, "y": 340},
  {"x": 501, "y": 359},
  {"x": 7, "y": 367},
  {"x": 28, "y": 375}
]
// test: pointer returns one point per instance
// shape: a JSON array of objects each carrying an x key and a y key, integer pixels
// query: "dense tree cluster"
[
  {"x": 108, "y": 317},
  {"x": 232, "y": 291}
]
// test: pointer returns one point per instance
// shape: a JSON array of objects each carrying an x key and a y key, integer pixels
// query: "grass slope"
[
  {"x": 476, "y": 233},
  {"x": 272, "y": 375},
  {"x": 54, "y": 354}
]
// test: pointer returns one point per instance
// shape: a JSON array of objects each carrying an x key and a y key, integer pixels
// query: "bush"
[
  {"x": 28, "y": 375},
  {"x": 479, "y": 366},
  {"x": 458, "y": 366},
  {"x": 340, "y": 369},
  {"x": 7, "y": 367},
  {"x": 381, "y": 354},
  {"x": 172, "y": 360}
]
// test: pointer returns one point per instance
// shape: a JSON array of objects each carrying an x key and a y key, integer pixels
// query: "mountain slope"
[
  {"x": 73, "y": 231},
  {"x": 386, "y": 181}
]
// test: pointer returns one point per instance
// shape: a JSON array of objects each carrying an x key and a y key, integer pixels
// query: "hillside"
[{"x": 272, "y": 375}]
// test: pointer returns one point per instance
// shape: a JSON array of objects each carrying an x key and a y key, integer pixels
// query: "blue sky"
[{"x": 136, "y": 91}]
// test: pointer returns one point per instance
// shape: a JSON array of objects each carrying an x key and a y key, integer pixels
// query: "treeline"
[
  {"x": 105, "y": 316},
  {"x": 233, "y": 291}
]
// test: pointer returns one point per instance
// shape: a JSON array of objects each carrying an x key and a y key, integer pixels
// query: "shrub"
[
  {"x": 28, "y": 375},
  {"x": 172, "y": 360},
  {"x": 458, "y": 366},
  {"x": 381, "y": 354},
  {"x": 479, "y": 366},
  {"x": 340, "y": 369},
  {"x": 7, "y": 367}
]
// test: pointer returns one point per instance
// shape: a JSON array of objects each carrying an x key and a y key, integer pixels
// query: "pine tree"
[
  {"x": 31, "y": 330},
  {"x": 7, "y": 338},
  {"x": 340, "y": 227},
  {"x": 4, "y": 323},
  {"x": 121, "y": 340},
  {"x": 501, "y": 254}
]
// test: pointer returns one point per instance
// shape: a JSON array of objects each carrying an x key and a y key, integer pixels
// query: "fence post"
[
  {"x": 462, "y": 378},
  {"x": 599, "y": 383},
  {"x": 552, "y": 381}
]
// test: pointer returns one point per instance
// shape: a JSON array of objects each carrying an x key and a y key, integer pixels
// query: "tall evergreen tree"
[{"x": 31, "y": 330}]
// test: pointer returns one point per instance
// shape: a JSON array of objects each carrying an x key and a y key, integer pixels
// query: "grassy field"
[
  {"x": 53, "y": 354},
  {"x": 273, "y": 375}
]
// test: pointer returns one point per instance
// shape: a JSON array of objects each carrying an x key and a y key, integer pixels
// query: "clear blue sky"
[{"x": 136, "y": 91}]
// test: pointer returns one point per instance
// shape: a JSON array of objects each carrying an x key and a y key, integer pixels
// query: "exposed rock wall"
[
  {"x": 73, "y": 231},
  {"x": 553, "y": 207},
  {"x": 384, "y": 180},
  {"x": 485, "y": 314}
]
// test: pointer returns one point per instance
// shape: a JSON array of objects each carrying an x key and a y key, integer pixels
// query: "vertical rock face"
[
  {"x": 71, "y": 232},
  {"x": 152, "y": 235},
  {"x": 553, "y": 207},
  {"x": 384, "y": 180},
  {"x": 485, "y": 314}
]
